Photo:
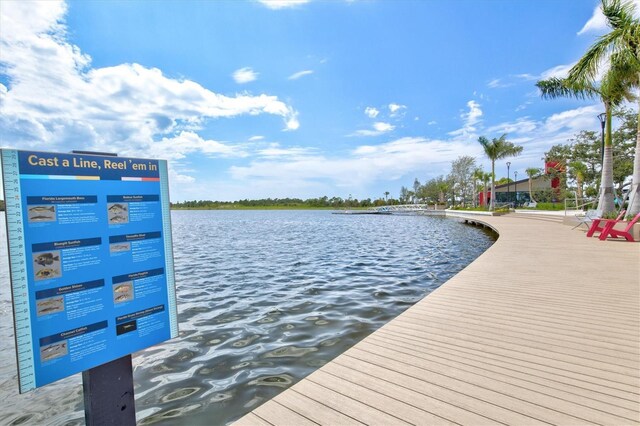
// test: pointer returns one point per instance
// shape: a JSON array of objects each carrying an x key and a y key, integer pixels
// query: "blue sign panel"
[{"x": 91, "y": 260}]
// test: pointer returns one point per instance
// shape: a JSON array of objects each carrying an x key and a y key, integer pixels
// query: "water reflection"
[{"x": 264, "y": 298}]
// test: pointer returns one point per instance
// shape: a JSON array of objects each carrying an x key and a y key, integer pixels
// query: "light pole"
[
  {"x": 515, "y": 188},
  {"x": 508, "y": 183},
  {"x": 602, "y": 117}
]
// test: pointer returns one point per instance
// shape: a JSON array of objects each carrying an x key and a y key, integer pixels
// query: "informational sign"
[{"x": 91, "y": 260}]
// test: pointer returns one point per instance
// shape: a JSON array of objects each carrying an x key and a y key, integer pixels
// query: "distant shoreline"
[{"x": 268, "y": 208}]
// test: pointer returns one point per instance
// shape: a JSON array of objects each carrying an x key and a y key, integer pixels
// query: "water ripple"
[{"x": 264, "y": 299}]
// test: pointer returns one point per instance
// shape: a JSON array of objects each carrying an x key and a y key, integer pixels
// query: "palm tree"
[
  {"x": 486, "y": 177},
  {"x": 612, "y": 91},
  {"x": 476, "y": 176},
  {"x": 532, "y": 172},
  {"x": 622, "y": 47},
  {"x": 497, "y": 149},
  {"x": 386, "y": 196},
  {"x": 443, "y": 187},
  {"x": 579, "y": 169}
]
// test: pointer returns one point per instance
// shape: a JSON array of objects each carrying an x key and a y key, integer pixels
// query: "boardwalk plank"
[
  {"x": 370, "y": 413},
  {"x": 569, "y": 402},
  {"x": 544, "y": 327},
  {"x": 460, "y": 403},
  {"x": 441, "y": 377},
  {"x": 583, "y": 388},
  {"x": 276, "y": 413},
  {"x": 314, "y": 410},
  {"x": 404, "y": 411},
  {"x": 620, "y": 382},
  {"x": 437, "y": 409},
  {"x": 252, "y": 419},
  {"x": 605, "y": 363},
  {"x": 606, "y": 339},
  {"x": 615, "y": 354}
]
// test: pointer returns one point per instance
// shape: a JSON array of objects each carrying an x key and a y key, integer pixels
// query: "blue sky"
[{"x": 257, "y": 99}]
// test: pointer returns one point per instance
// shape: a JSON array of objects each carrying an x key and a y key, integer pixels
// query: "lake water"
[{"x": 264, "y": 299}]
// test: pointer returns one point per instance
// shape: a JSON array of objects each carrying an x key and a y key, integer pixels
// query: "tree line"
[
  {"x": 286, "y": 203},
  {"x": 579, "y": 170},
  {"x": 463, "y": 183}
]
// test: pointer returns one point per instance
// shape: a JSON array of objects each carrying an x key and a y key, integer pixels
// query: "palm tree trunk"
[
  {"x": 634, "y": 192},
  {"x": 485, "y": 193},
  {"x": 531, "y": 190},
  {"x": 475, "y": 193},
  {"x": 606, "y": 202},
  {"x": 579, "y": 188},
  {"x": 493, "y": 185}
]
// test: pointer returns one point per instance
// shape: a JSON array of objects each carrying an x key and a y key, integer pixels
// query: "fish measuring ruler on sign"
[
  {"x": 18, "y": 261},
  {"x": 166, "y": 228}
]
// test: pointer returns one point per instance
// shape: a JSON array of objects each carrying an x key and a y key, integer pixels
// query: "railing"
[
  {"x": 506, "y": 205},
  {"x": 577, "y": 203},
  {"x": 403, "y": 208}
]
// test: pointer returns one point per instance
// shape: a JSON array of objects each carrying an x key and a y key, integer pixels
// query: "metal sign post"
[{"x": 108, "y": 394}]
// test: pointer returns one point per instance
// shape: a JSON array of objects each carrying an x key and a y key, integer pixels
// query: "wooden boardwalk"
[{"x": 543, "y": 328}]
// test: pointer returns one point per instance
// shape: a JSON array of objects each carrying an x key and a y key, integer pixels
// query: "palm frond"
[
  {"x": 586, "y": 69},
  {"x": 619, "y": 14},
  {"x": 554, "y": 87}
]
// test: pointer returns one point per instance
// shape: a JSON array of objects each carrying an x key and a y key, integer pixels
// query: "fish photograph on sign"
[{"x": 47, "y": 265}]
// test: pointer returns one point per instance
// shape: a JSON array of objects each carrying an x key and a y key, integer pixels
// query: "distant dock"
[
  {"x": 360, "y": 212},
  {"x": 542, "y": 328}
]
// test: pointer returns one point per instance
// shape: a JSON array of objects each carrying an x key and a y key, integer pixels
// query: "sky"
[{"x": 293, "y": 98}]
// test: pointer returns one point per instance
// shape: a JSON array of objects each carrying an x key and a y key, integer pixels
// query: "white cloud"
[
  {"x": 293, "y": 123},
  {"x": 256, "y": 138},
  {"x": 307, "y": 172},
  {"x": 300, "y": 74},
  {"x": 559, "y": 71},
  {"x": 573, "y": 120},
  {"x": 598, "y": 22},
  {"x": 498, "y": 83},
  {"x": 519, "y": 126},
  {"x": 379, "y": 128},
  {"x": 595, "y": 23},
  {"x": 387, "y": 161},
  {"x": 396, "y": 109},
  {"x": 526, "y": 76},
  {"x": 383, "y": 127},
  {"x": 244, "y": 75},
  {"x": 474, "y": 114},
  {"x": 179, "y": 146},
  {"x": 282, "y": 4},
  {"x": 275, "y": 150},
  {"x": 371, "y": 112},
  {"x": 126, "y": 108},
  {"x": 470, "y": 120}
]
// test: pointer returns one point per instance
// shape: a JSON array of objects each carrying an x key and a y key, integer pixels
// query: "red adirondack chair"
[
  {"x": 608, "y": 230},
  {"x": 595, "y": 224}
]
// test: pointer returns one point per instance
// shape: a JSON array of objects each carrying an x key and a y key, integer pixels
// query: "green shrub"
[
  {"x": 550, "y": 206},
  {"x": 610, "y": 215}
]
